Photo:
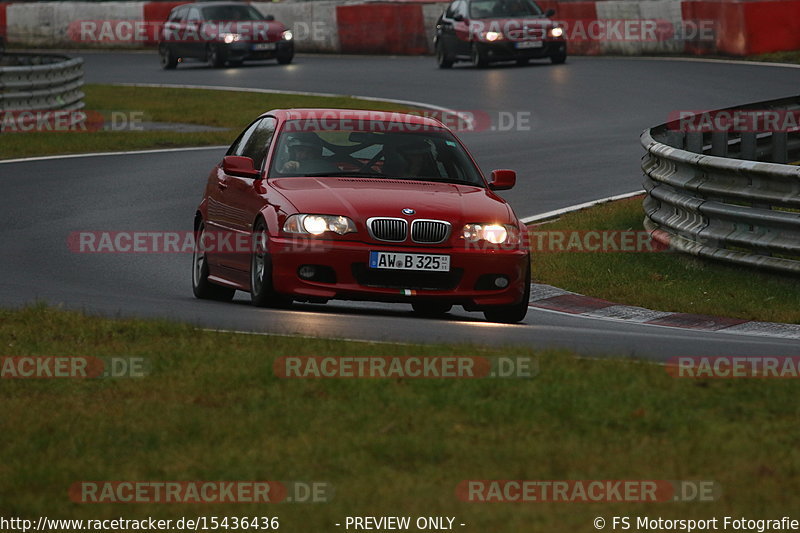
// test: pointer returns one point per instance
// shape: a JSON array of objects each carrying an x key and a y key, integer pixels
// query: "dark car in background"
[
  {"x": 486, "y": 31},
  {"x": 223, "y": 34}
]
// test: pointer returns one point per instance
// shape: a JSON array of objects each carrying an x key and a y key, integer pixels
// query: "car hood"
[{"x": 362, "y": 198}]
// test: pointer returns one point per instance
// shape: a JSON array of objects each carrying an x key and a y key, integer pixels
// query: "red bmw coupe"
[{"x": 319, "y": 204}]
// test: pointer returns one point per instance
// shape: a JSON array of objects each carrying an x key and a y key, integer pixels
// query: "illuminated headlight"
[
  {"x": 493, "y": 233},
  {"x": 318, "y": 224},
  {"x": 492, "y": 36},
  {"x": 287, "y": 35},
  {"x": 229, "y": 38},
  {"x": 556, "y": 32}
]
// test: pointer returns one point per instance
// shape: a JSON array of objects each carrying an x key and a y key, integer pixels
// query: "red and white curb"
[{"x": 552, "y": 298}]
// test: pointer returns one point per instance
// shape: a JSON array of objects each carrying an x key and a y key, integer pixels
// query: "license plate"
[
  {"x": 264, "y": 46},
  {"x": 405, "y": 261},
  {"x": 529, "y": 44}
]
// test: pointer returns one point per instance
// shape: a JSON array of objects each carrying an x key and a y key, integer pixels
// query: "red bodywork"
[{"x": 233, "y": 204}]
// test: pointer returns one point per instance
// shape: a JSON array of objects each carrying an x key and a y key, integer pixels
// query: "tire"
[
  {"x": 522, "y": 61},
  {"x": 559, "y": 57},
  {"x": 201, "y": 287},
  {"x": 214, "y": 57},
  {"x": 511, "y": 314},
  {"x": 168, "y": 59},
  {"x": 284, "y": 59},
  {"x": 441, "y": 56},
  {"x": 235, "y": 64},
  {"x": 431, "y": 309},
  {"x": 478, "y": 57},
  {"x": 262, "y": 293}
]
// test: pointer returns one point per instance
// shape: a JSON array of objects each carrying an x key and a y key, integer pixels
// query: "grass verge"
[
  {"x": 787, "y": 56},
  {"x": 223, "y": 109},
  {"x": 212, "y": 409},
  {"x": 664, "y": 281}
]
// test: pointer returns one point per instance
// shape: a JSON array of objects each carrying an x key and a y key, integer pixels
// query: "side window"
[
  {"x": 254, "y": 142},
  {"x": 451, "y": 10},
  {"x": 461, "y": 8},
  {"x": 194, "y": 15}
]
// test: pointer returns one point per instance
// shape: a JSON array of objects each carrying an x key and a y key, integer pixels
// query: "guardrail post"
[
  {"x": 748, "y": 145},
  {"x": 719, "y": 143},
  {"x": 780, "y": 151},
  {"x": 694, "y": 141}
]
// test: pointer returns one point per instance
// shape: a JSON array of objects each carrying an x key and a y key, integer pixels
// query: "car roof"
[{"x": 353, "y": 114}]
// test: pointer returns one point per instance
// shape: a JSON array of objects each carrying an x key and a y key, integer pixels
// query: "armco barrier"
[
  {"x": 382, "y": 28},
  {"x": 701, "y": 200},
  {"x": 37, "y": 82}
]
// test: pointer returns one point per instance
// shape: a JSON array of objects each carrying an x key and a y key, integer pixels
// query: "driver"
[
  {"x": 304, "y": 147},
  {"x": 417, "y": 156}
]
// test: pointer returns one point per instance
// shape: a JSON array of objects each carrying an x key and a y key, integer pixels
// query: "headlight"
[
  {"x": 493, "y": 233},
  {"x": 287, "y": 35},
  {"x": 318, "y": 224},
  {"x": 492, "y": 35},
  {"x": 556, "y": 32},
  {"x": 228, "y": 38}
]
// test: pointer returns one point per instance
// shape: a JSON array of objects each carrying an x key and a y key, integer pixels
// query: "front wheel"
[
  {"x": 214, "y": 56},
  {"x": 478, "y": 56},
  {"x": 559, "y": 56},
  {"x": 284, "y": 58},
  {"x": 511, "y": 314},
  {"x": 442, "y": 59},
  {"x": 262, "y": 292},
  {"x": 201, "y": 287},
  {"x": 168, "y": 59}
]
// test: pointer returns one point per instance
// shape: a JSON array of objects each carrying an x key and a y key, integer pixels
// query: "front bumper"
[
  {"x": 508, "y": 50},
  {"x": 345, "y": 274},
  {"x": 245, "y": 50}
]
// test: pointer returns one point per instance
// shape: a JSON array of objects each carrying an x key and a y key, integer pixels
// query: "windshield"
[
  {"x": 486, "y": 9},
  {"x": 371, "y": 149},
  {"x": 231, "y": 12}
]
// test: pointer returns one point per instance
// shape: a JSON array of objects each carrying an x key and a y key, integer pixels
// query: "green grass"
[
  {"x": 665, "y": 281},
  {"x": 211, "y": 409},
  {"x": 224, "y": 109},
  {"x": 787, "y": 56}
]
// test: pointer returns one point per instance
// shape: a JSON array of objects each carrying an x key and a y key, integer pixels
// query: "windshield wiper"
[{"x": 346, "y": 174}]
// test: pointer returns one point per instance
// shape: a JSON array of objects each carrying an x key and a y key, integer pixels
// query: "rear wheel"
[
  {"x": 168, "y": 59},
  {"x": 201, "y": 287},
  {"x": 442, "y": 59},
  {"x": 262, "y": 292},
  {"x": 431, "y": 309},
  {"x": 511, "y": 314},
  {"x": 478, "y": 56}
]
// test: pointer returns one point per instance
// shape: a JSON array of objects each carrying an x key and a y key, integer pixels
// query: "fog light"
[
  {"x": 306, "y": 271},
  {"x": 501, "y": 282}
]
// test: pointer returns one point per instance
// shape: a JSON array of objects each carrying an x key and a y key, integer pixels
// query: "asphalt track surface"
[{"x": 585, "y": 118}]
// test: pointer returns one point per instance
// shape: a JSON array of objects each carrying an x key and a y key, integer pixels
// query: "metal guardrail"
[
  {"x": 725, "y": 195},
  {"x": 40, "y": 82}
]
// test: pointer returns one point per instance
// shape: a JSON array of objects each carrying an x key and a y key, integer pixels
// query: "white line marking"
[
  {"x": 558, "y": 212},
  {"x": 99, "y": 154}
]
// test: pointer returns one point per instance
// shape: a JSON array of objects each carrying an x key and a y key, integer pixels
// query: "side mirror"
[
  {"x": 550, "y": 12},
  {"x": 458, "y": 18},
  {"x": 270, "y": 18},
  {"x": 502, "y": 180},
  {"x": 240, "y": 166}
]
